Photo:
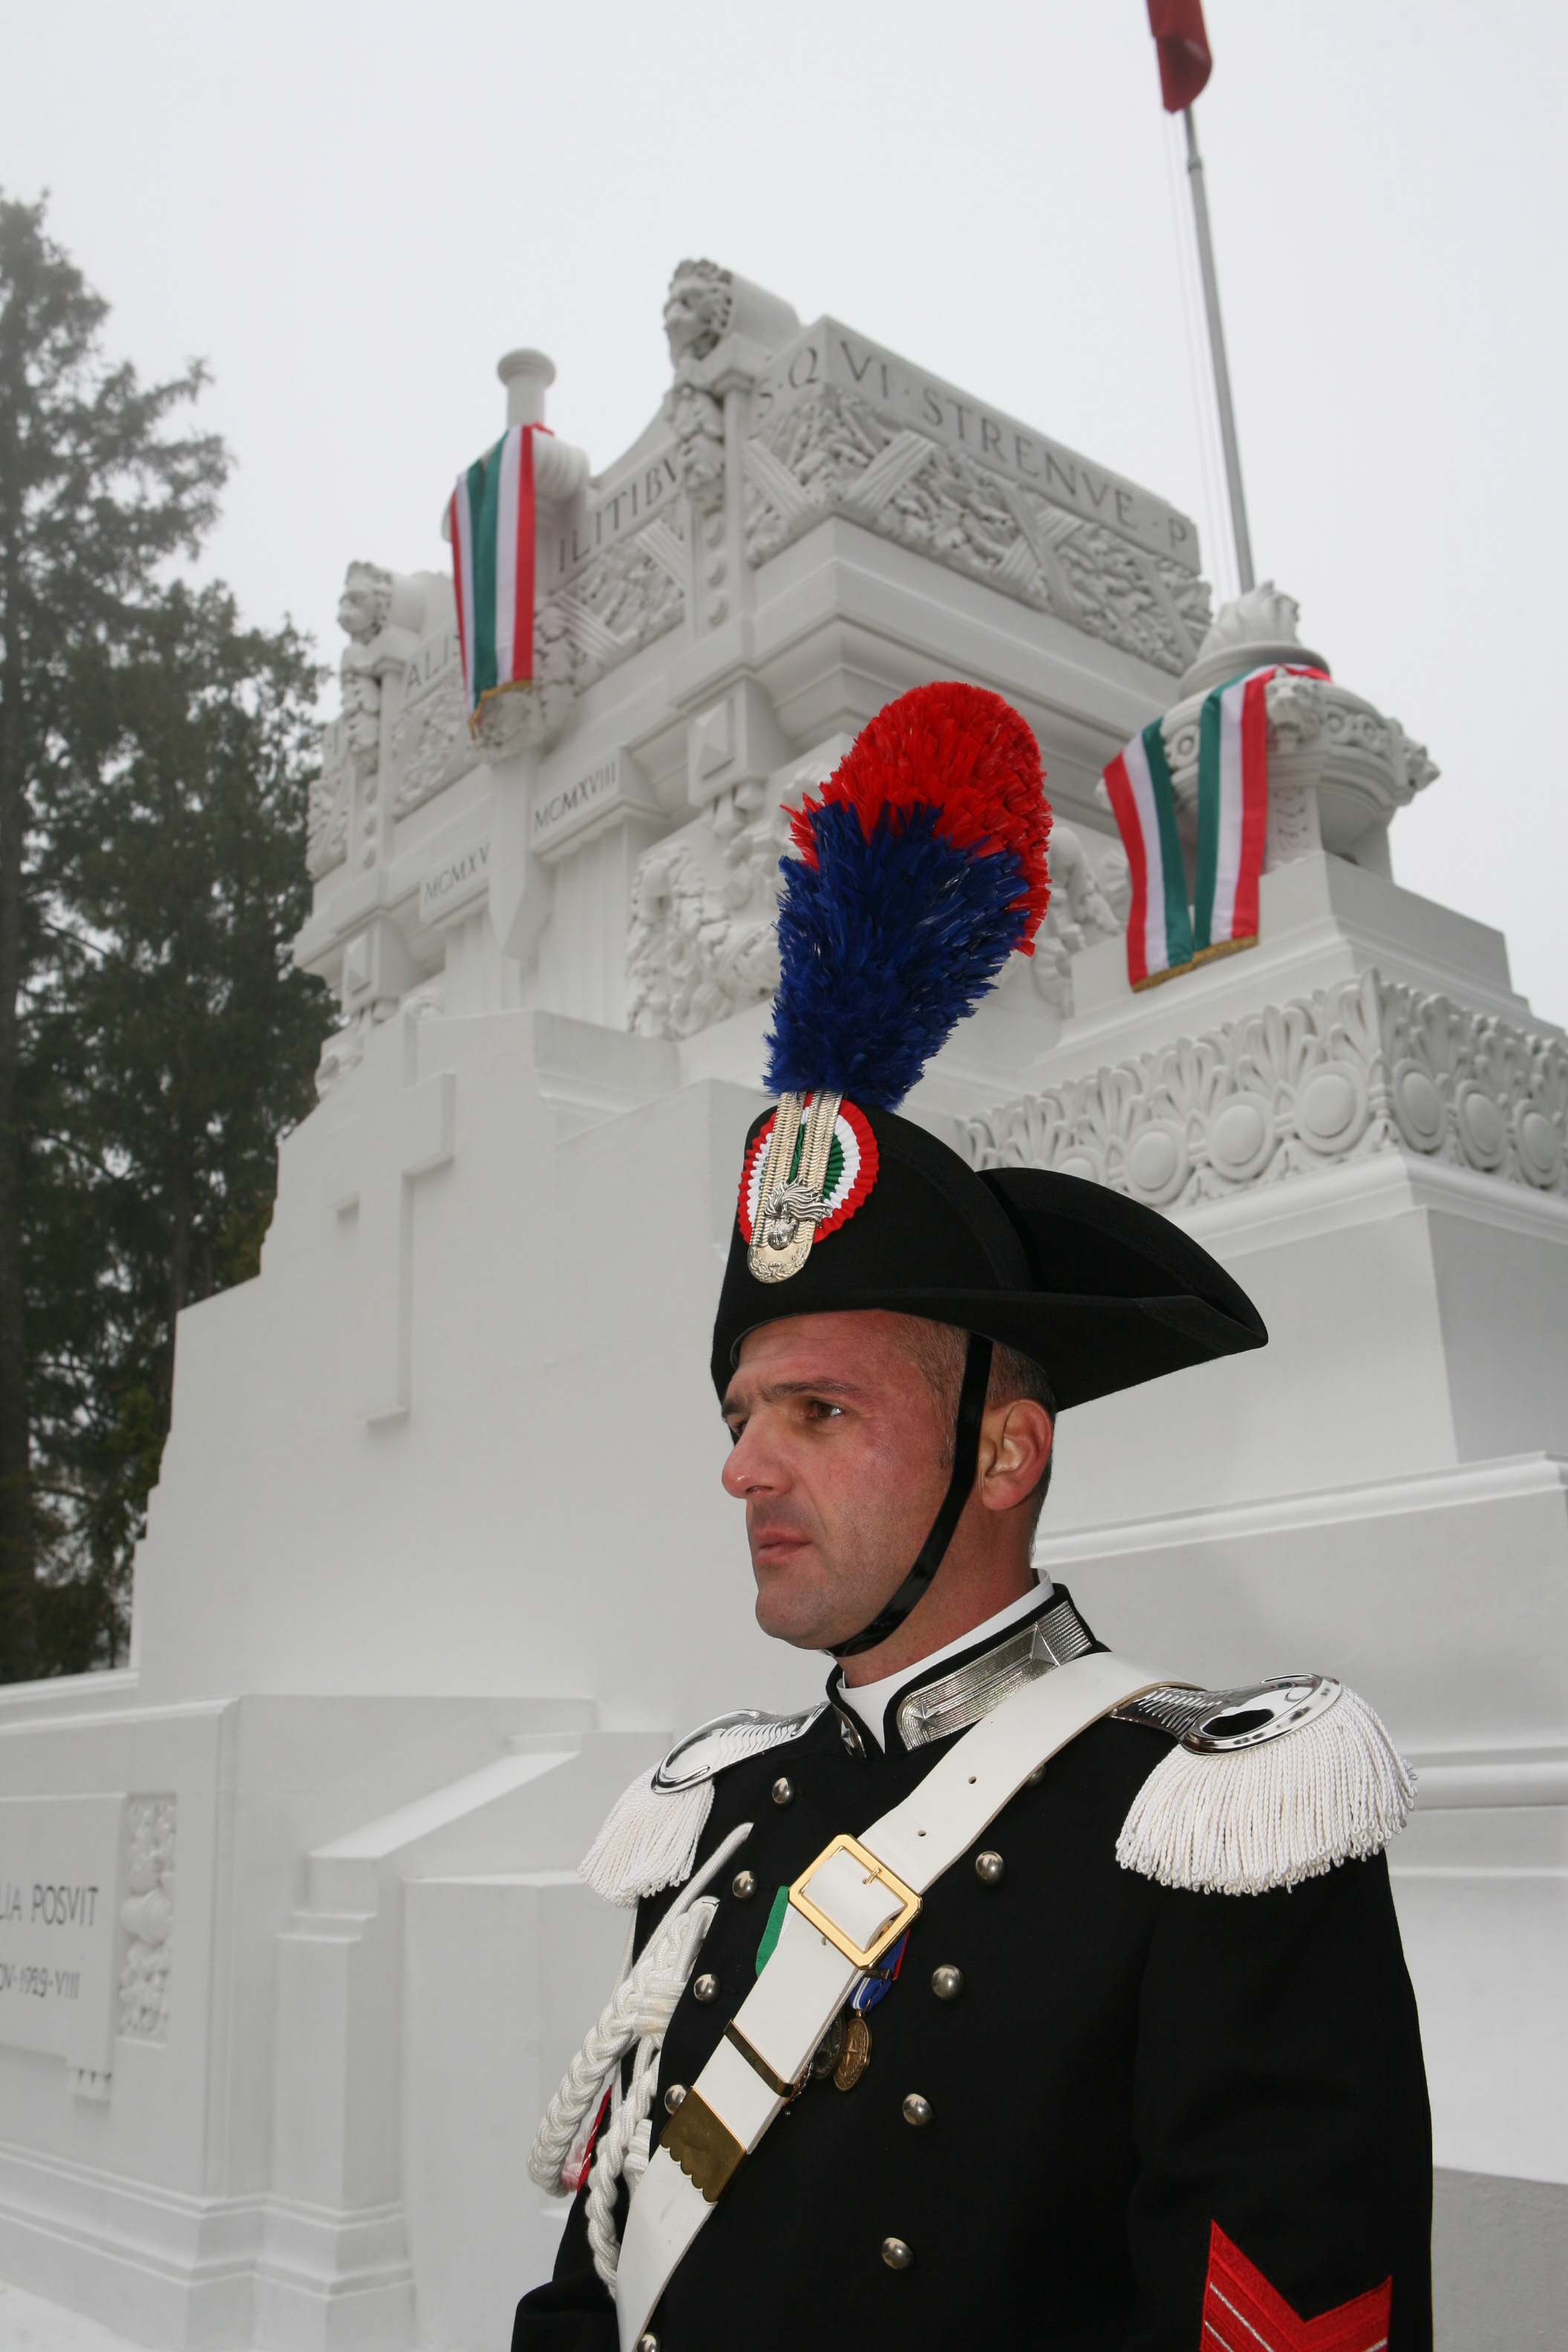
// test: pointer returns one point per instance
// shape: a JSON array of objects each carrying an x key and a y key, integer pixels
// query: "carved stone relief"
[
  {"x": 365, "y": 604},
  {"x": 698, "y": 422},
  {"x": 327, "y": 827},
  {"x": 1337, "y": 766},
  {"x": 364, "y": 610},
  {"x": 431, "y": 745},
  {"x": 619, "y": 602},
  {"x": 535, "y": 713},
  {"x": 147, "y": 1916},
  {"x": 382, "y": 613},
  {"x": 1365, "y": 1067},
  {"x": 703, "y": 940},
  {"x": 696, "y": 309},
  {"x": 697, "y": 313},
  {"x": 836, "y": 454},
  {"x": 1293, "y": 831},
  {"x": 351, "y": 745},
  {"x": 1083, "y": 907}
]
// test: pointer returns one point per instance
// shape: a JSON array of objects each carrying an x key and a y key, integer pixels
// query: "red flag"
[{"x": 1185, "y": 64}]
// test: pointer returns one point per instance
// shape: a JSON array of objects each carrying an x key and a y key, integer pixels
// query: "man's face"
[{"x": 839, "y": 1456}]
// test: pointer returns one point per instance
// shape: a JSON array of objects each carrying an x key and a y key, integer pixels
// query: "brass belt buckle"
[{"x": 860, "y": 1958}]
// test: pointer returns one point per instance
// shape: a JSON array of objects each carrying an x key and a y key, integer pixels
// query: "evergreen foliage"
[{"x": 153, "y": 1039}]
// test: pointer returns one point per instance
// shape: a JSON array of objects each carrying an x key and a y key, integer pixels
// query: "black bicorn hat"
[
  {"x": 922, "y": 868},
  {"x": 1102, "y": 1291}
]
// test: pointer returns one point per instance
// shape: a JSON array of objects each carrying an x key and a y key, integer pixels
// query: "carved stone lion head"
[
  {"x": 697, "y": 309},
  {"x": 365, "y": 602}
]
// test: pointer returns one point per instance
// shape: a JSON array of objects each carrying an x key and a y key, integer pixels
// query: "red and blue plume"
[{"x": 917, "y": 874}]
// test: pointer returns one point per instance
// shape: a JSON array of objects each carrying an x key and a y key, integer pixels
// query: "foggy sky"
[{"x": 351, "y": 211}]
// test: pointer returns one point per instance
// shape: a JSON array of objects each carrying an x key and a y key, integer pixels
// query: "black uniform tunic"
[{"x": 1125, "y": 2065}]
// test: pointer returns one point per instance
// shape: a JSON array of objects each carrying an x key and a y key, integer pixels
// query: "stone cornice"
[
  {"x": 1468, "y": 1486},
  {"x": 1369, "y": 1066}
]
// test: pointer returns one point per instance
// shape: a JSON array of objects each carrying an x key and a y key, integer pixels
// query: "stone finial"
[
  {"x": 527, "y": 376},
  {"x": 1256, "y": 629},
  {"x": 559, "y": 469}
]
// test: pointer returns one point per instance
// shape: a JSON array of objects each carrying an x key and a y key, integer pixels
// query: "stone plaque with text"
[
  {"x": 612, "y": 784},
  {"x": 59, "y": 1873},
  {"x": 452, "y": 886}
]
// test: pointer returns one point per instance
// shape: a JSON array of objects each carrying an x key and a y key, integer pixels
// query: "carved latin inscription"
[
  {"x": 973, "y": 492},
  {"x": 59, "y": 1875},
  {"x": 829, "y": 356}
]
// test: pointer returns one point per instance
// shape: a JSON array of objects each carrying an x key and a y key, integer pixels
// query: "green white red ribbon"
[
  {"x": 1233, "y": 819},
  {"x": 492, "y": 516},
  {"x": 1159, "y": 933}
]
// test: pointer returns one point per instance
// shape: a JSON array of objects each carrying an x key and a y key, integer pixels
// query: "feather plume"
[{"x": 917, "y": 874}]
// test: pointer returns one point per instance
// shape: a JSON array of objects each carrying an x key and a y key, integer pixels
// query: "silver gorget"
[{"x": 956, "y": 1700}]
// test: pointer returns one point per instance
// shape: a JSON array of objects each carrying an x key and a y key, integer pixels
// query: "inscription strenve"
[{"x": 830, "y": 355}]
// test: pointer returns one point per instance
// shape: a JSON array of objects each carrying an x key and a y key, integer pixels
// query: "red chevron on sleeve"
[{"x": 1242, "y": 2313}]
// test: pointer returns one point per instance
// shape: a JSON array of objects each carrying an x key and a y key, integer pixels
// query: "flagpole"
[{"x": 1216, "y": 349}]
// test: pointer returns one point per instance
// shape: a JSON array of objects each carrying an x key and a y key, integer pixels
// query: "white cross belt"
[{"x": 844, "y": 1910}]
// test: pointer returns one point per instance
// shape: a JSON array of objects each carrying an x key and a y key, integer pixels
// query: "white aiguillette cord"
[{"x": 844, "y": 1910}]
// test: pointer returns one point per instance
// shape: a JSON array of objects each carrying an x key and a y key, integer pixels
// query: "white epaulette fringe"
[
  {"x": 649, "y": 1838},
  {"x": 647, "y": 1843},
  {"x": 1252, "y": 1818}
]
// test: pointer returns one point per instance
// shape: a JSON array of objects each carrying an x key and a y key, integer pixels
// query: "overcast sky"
[{"x": 351, "y": 210}]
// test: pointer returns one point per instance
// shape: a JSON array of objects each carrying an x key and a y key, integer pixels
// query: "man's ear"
[{"x": 1015, "y": 1441}]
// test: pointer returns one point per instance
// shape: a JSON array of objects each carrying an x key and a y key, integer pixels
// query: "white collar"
[{"x": 869, "y": 1700}]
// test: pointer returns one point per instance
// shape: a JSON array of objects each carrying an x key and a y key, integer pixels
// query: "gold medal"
[{"x": 856, "y": 2054}]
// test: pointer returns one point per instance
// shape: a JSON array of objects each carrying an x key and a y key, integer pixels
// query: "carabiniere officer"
[{"x": 1013, "y": 1994}]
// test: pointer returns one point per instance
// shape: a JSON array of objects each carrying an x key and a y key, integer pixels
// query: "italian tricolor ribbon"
[
  {"x": 1233, "y": 815},
  {"x": 1159, "y": 934},
  {"x": 492, "y": 517}
]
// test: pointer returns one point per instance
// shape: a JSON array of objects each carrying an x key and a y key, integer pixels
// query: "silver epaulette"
[
  {"x": 728, "y": 1739},
  {"x": 1221, "y": 1722}
]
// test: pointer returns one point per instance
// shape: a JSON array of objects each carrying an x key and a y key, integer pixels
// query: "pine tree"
[
  {"x": 175, "y": 1042},
  {"x": 93, "y": 496},
  {"x": 153, "y": 1039}
]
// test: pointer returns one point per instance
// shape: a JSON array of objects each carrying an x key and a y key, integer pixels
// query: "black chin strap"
[{"x": 965, "y": 1453}]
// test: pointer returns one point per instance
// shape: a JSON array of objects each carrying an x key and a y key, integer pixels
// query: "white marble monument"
[{"x": 292, "y": 1945}]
